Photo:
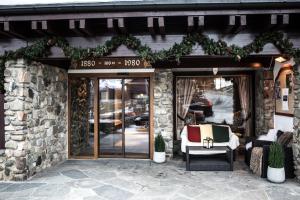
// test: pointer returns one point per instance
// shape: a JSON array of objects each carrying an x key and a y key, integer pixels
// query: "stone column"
[
  {"x": 163, "y": 106},
  {"x": 296, "y": 143},
  {"x": 16, "y": 131},
  {"x": 264, "y": 106},
  {"x": 35, "y": 119}
]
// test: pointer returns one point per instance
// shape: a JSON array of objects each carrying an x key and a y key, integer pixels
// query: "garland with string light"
[{"x": 41, "y": 49}]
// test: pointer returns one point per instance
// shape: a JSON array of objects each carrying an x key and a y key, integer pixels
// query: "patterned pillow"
[
  {"x": 220, "y": 133},
  {"x": 285, "y": 139},
  {"x": 193, "y": 133}
]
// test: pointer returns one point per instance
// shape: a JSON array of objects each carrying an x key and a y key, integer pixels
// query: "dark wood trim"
[
  {"x": 112, "y": 75},
  {"x": 123, "y": 118},
  {"x": 174, "y": 108},
  {"x": 96, "y": 78},
  {"x": 69, "y": 117},
  {"x": 280, "y": 71},
  {"x": 2, "y": 118},
  {"x": 209, "y": 74},
  {"x": 151, "y": 110},
  {"x": 96, "y": 118},
  {"x": 284, "y": 114},
  {"x": 99, "y": 15}
]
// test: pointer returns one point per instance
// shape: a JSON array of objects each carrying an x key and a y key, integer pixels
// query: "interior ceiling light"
[
  {"x": 280, "y": 59},
  {"x": 256, "y": 65}
]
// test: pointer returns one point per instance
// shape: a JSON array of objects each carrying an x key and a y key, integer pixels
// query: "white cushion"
[
  {"x": 233, "y": 139},
  {"x": 248, "y": 145},
  {"x": 205, "y": 131},
  {"x": 270, "y": 136}
]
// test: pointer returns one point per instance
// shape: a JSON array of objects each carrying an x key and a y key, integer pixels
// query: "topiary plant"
[
  {"x": 159, "y": 143},
  {"x": 276, "y": 156}
]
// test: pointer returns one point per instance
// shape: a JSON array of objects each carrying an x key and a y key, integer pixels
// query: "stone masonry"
[
  {"x": 264, "y": 106},
  {"x": 35, "y": 119},
  {"x": 163, "y": 107},
  {"x": 296, "y": 144}
]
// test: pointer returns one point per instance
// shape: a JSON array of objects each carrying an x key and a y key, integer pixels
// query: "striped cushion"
[{"x": 285, "y": 139}]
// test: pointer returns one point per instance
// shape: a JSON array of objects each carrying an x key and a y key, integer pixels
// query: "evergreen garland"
[{"x": 41, "y": 49}]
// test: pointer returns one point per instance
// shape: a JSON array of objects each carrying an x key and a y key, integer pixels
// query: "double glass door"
[{"x": 111, "y": 120}]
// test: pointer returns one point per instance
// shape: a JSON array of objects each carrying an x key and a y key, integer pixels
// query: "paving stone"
[
  {"x": 52, "y": 190},
  {"x": 22, "y": 186},
  {"x": 113, "y": 193},
  {"x": 75, "y": 174},
  {"x": 119, "y": 179},
  {"x": 86, "y": 183},
  {"x": 3, "y": 186}
]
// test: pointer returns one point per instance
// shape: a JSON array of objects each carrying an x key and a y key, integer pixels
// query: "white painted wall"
[{"x": 281, "y": 122}]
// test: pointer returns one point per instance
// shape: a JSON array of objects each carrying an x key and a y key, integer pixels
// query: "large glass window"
[
  {"x": 218, "y": 100},
  {"x": 82, "y": 117}
]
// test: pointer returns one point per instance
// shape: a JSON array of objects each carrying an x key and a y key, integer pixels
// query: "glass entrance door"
[{"x": 124, "y": 117}]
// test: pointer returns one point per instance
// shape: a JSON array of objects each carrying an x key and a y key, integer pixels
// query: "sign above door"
[{"x": 114, "y": 63}]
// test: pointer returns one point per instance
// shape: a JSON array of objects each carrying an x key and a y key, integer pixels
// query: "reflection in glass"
[
  {"x": 110, "y": 117},
  {"x": 220, "y": 100},
  {"x": 82, "y": 117},
  {"x": 136, "y": 103}
]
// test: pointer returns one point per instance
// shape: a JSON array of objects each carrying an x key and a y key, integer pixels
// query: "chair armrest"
[
  {"x": 261, "y": 143},
  {"x": 265, "y": 161},
  {"x": 249, "y": 139}
]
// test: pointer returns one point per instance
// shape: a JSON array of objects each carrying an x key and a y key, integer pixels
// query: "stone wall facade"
[
  {"x": 264, "y": 105},
  {"x": 163, "y": 107},
  {"x": 35, "y": 119},
  {"x": 296, "y": 144}
]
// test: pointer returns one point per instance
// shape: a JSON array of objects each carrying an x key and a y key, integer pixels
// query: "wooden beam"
[
  {"x": 9, "y": 31},
  {"x": 191, "y": 24},
  {"x": 278, "y": 21},
  {"x": 273, "y": 20},
  {"x": 78, "y": 27},
  {"x": 285, "y": 19},
  {"x": 83, "y": 27},
  {"x": 42, "y": 27},
  {"x": 241, "y": 25},
  {"x": 150, "y": 25},
  {"x": 110, "y": 24},
  {"x": 121, "y": 25},
  {"x": 201, "y": 21},
  {"x": 161, "y": 25},
  {"x": 231, "y": 24}
]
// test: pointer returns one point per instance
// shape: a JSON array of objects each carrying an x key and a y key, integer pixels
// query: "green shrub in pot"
[
  {"x": 276, "y": 172},
  {"x": 159, "y": 149},
  {"x": 159, "y": 143}
]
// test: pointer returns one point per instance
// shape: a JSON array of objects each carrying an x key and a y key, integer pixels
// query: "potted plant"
[
  {"x": 276, "y": 172},
  {"x": 159, "y": 150}
]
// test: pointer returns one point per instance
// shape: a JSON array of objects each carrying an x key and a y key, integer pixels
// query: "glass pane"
[
  {"x": 136, "y": 107},
  {"x": 110, "y": 117},
  {"x": 218, "y": 100},
  {"x": 82, "y": 117},
  {"x": 204, "y": 100}
]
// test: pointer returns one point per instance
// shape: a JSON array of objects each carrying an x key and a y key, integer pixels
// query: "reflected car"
[
  {"x": 202, "y": 105},
  {"x": 142, "y": 120}
]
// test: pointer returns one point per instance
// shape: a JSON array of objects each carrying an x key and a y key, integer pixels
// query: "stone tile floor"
[{"x": 142, "y": 179}]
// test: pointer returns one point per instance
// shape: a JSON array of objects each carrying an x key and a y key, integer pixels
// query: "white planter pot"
[
  {"x": 159, "y": 157},
  {"x": 276, "y": 175}
]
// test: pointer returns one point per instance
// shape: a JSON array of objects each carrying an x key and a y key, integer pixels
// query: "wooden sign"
[{"x": 107, "y": 63}]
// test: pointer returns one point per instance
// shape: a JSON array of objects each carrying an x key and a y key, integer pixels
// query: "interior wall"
[{"x": 281, "y": 122}]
